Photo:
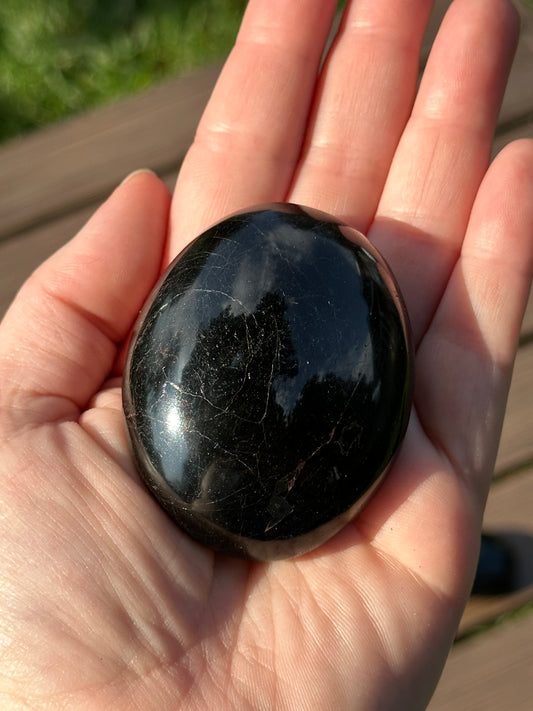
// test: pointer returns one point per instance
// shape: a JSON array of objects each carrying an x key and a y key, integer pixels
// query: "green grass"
[
  {"x": 511, "y": 616},
  {"x": 59, "y": 57}
]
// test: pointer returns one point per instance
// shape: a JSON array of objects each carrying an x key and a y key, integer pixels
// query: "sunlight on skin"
[{"x": 105, "y": 603}]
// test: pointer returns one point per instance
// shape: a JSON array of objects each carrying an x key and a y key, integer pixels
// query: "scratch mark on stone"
[{"x": 279, "y": 508}]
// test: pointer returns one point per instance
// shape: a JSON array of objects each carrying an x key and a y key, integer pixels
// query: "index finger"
[{"x": 249, "y": 138}]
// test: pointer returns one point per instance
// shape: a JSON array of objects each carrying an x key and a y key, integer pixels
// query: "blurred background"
[{"x": 61, "y": 57}]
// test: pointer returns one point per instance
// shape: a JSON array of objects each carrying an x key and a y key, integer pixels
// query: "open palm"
[{"x": 105, "y": 603}]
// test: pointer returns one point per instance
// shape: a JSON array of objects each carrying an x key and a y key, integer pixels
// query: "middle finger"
[{"x": 363, "y": 100}]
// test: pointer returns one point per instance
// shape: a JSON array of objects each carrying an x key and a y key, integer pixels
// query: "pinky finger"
[
  {"x": 465, "y": 361},
  {"x": 497, "y": 253}
]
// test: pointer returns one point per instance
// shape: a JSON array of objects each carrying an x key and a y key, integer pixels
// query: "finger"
[
  {"x": 363, "y": 101},
  {"x": 465, "y": 360},
  {"x": 60, "y": 336},
  {"x": 463, "y": 368},
  {"x": 250, "y": 135},
  {"x": 444, "y": 151}
]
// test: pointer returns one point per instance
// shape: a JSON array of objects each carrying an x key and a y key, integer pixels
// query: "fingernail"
[{"x": 137, "y": 172}]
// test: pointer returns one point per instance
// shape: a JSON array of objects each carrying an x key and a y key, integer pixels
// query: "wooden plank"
[
  {"x": 518, "y": 98},
  {"x": 516, "y": 445},
  {"x": 508, "y": 514},
  {"x": 79, "y": 161},
  {"x": 440, "y": 8},
  {"x": 527, "y": 323},
  {"x": 489, "y": 672},
  {"x": 521, "y": 130},
  {"x": 20, "y": 255}
]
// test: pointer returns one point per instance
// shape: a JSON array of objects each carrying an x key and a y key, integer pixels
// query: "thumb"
[{"x": 59, "y": 339}]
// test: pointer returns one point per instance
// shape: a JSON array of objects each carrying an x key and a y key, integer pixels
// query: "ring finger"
[
  {"x": 363, "y": 100},
  {"x": 444, "y": 151}
]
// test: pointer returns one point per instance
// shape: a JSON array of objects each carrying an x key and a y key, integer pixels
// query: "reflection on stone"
[{"x": 269, "y": 381}]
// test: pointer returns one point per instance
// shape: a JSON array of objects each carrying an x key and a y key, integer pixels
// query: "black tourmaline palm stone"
[{"x": 269, "y": 380}]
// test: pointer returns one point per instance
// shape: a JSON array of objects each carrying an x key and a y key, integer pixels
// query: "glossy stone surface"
[
  {"x": 496, "y": 568},
  {"x": 268, "y": 384}
]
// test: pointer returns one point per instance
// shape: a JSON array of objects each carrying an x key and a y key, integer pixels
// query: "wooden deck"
[{"x": 51, "y": 181}]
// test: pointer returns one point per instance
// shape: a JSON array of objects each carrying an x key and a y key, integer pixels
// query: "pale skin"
[{"x": 104, "y": 602}]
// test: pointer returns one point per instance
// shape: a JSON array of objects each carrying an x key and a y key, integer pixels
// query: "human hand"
[{"x": 105, "y": 603}]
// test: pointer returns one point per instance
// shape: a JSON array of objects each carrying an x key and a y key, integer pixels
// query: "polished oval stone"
[{"x": 269, "y": 381}]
